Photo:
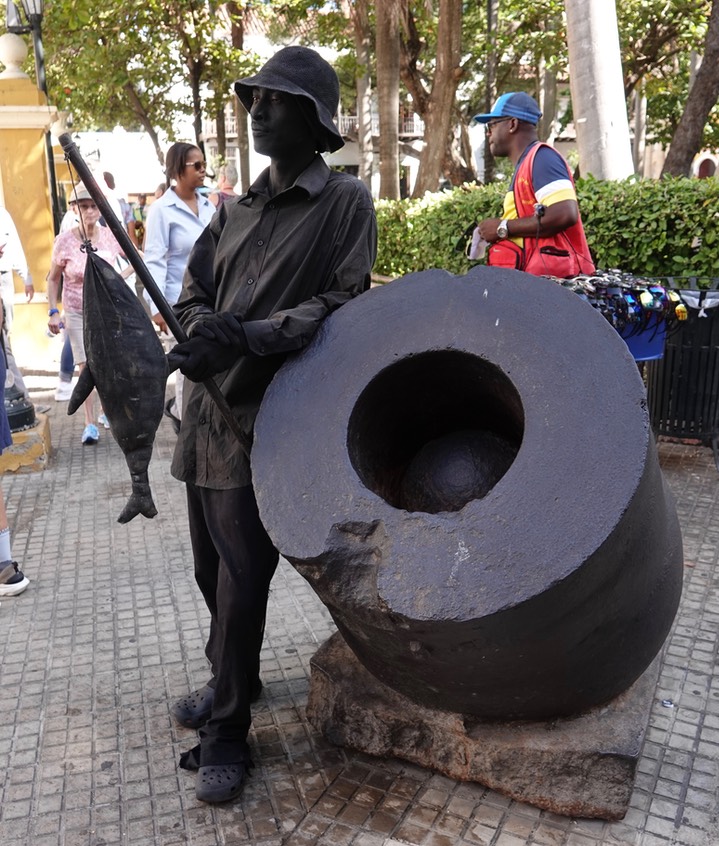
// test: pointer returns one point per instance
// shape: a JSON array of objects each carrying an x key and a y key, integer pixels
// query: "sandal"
[
  {"x": 194, "y": 710},
  {"x": 221, "y": 782}
]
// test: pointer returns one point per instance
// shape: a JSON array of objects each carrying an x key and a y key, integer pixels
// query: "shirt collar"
[
  {"x": 312, "y": 180},
  {"x": 526, "y": 151},
  {"x": 174, "y": 200}
]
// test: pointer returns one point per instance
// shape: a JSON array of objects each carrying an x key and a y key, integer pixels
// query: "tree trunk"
[
  {"x": 457, "y": 164},
  {"x": 144, "y": 118},
  {"x": 358, "y": 13},
  {"x": 703, "y": 95},
  {"x": 490, "y": 89},
  {"x": 595, "y": 73},
  {"x": 363, "y": 40},
  {"x": 221, "y": 133},
  {"x": 438, "y": 121},
  {"x": 640, "y": 129},
  {"x": 243, "y": 145},
  {"x": 237, "y": 36},
  {"x": 388, "y": 61},
  {"x": 195, "y": 77},
  {"x": 547, "y": 102},
  {"x": 466, "y": 151}
]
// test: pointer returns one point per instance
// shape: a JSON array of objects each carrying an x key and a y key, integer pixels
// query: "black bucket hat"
[{"x": 304, "y": 73}]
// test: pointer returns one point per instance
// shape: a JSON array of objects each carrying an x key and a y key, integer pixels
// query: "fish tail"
[
  {"x": 137, "y": 505},
  {"x": 140, "y": 501}
]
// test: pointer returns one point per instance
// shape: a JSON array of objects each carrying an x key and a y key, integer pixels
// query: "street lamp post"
[{"x": 33, "y": 11}]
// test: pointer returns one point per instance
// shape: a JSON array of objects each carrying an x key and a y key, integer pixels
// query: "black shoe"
[
  {"x": 168, "y": 412},
  {"x": 194, "y": 710},
  {"x": 221, "y": 782}
]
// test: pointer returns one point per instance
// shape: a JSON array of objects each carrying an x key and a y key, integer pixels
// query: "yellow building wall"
[
  {"x": 25, "y": 179},
  {"x": 25, "y": 192}
]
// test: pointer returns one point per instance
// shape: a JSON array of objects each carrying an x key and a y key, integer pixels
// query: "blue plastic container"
[{"x": 647, "y": 343}]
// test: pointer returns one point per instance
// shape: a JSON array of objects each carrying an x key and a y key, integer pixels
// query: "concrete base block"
[
  {"x": 581, "y": 766},
  {"x": 30, "y": 450}
]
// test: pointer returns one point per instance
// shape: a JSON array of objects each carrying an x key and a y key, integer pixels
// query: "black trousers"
[{"x": 234, "y": 564}]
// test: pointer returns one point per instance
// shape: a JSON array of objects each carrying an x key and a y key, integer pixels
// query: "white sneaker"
[
  {"x": 13, "y": 580},
  {"x": 63, "y": 392},
  {"x": 16, "y": 588},
  {"x": 103, "y": 421}
]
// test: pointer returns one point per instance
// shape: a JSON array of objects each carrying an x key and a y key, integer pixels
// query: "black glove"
[
  {"x": 215, "y": 343},
  {"x": 222, "y": 327},
  {"x": 200, "y": 358}
]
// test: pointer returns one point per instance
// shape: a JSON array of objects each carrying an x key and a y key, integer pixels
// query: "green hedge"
[{"x": 656, "y": 228}]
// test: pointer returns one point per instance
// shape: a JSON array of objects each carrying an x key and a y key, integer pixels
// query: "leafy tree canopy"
[
  {"x": 141, "y": 64},
  {"x": 657, "y": 38},
  {"x": 149, "y": 63}
]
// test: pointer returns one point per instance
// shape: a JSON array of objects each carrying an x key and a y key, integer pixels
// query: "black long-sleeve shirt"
[{"x": 280, "y": 264}]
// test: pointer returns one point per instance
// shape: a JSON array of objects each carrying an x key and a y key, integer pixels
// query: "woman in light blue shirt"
[{"x": 174, "y": 222}]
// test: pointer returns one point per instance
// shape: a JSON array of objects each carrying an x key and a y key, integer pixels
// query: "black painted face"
[{"x": 279, "y": 129}]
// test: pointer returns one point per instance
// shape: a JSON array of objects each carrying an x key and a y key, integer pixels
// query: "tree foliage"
[
  {"x": 150, "y": 64},
  {"x": 702, "y": 98},
  {"x": 145, "y": 64},
  {"x": 104, "y": 68},
  {"x": 654, "y": 33},
  {"x": 661, "y": 42}
]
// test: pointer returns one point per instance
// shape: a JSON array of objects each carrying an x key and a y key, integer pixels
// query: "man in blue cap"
[
  {"x": 271, "y": 265},
  {"x": 540, "y": 230}
]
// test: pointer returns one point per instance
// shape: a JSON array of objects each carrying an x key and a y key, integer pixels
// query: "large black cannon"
[{"x": 540, "y": 584}]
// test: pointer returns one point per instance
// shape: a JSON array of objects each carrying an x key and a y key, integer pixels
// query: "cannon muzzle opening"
[{"x": 436, "y": 430}]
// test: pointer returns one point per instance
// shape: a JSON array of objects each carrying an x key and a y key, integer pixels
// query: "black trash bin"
[
  {"x": 683, "y": 386},
  {"x": 20, "y": 411}
]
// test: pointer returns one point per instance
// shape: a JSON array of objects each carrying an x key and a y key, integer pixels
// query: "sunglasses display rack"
[{"x": 641, "y": 311}]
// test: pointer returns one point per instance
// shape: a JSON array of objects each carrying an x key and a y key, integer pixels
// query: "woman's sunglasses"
[{"x": 197, "y": 165}]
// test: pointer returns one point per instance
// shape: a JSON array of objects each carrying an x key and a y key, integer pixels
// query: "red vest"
[{"x": 564, "y": 255}]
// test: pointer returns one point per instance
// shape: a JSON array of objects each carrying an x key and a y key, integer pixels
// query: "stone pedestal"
[
  {"x": 581, "y": 766},
  {"x": 30, "y": 450}
]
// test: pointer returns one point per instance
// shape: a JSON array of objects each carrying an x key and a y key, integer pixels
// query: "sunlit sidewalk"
[{"x": 112, "y": 629}]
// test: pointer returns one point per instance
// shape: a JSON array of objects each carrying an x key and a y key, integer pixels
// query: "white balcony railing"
[{"x": 411, "y": 126}]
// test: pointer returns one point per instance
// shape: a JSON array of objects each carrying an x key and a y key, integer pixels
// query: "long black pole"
[
  {"x": 140, "y": 268},
  {"x": 42, "y": 85}
]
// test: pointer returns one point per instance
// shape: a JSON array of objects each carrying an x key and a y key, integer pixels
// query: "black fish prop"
[{"x": 127, "y": 365}]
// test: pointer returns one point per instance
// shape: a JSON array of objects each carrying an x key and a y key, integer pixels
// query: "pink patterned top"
[{"x": 66, "y": 253}]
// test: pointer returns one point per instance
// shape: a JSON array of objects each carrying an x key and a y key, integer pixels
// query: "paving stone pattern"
[{"x": 112, "y": 630}]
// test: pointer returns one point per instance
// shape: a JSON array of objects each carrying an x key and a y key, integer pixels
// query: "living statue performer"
[{"x": 270, "y": 266}]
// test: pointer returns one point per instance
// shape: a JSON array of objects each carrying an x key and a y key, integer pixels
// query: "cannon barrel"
[{"x": 546, "y": 590}]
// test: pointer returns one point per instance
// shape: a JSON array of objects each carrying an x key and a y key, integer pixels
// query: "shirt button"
[
  {"x": 272, "y": 205},
  {"x": 202, "y": 420},
  {"x": 250, "y": 281},
  {"x": 260, "y": 242}
]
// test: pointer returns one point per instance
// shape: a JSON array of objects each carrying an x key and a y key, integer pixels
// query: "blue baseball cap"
[{"x": 516, "y": 104}]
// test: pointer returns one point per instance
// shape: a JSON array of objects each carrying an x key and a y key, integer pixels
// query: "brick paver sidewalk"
[{"x": 112, "y": 629}]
